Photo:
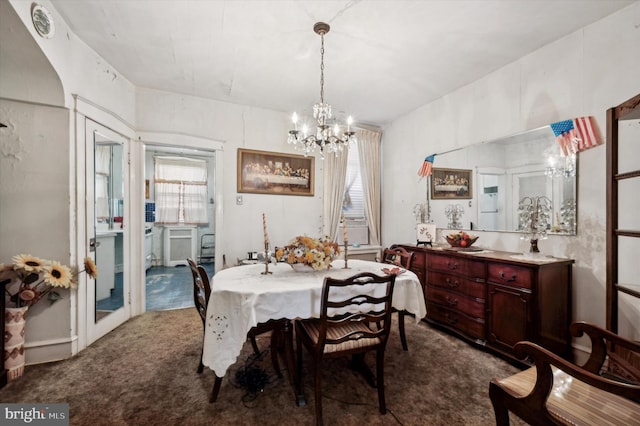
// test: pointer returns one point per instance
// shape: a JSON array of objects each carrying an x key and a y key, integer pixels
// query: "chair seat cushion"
[
  {"x": 574, "y": 402},
  {"x": 312, "y": 329}
]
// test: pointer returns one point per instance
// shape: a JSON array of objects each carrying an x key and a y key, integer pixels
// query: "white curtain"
[
  {"x": 102, "y": 174},
  {"x": 195, "y": 203},
  {"x": 369, "y": 149},
  {"x": 167, "y": 202},
  {"x": 335, "y": 170},
  {"x": 181, "y": 190}
]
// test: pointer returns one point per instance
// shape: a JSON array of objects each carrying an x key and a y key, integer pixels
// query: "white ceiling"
[{"x": 383, "y": 58}]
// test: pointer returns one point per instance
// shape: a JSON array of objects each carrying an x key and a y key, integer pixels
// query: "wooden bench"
[{"x": 603, "y": 391}]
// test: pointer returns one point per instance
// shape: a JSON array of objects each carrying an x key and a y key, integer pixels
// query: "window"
[
  {"x": 353, "y": 201},
  {"x": 181, "y": 190}
]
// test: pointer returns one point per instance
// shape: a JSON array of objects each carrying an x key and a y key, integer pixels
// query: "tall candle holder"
[
  {"x": 346, "y": 252},
  {"x": 534, "y": 216},
  {"x": 453, "y": 212},
  {"x": 267, "y": 259}
]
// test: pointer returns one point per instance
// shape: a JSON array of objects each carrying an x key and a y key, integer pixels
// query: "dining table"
[{"x": 243, "y": 296}]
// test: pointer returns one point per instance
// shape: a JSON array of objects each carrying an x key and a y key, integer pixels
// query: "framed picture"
[
  {"x": 449, "y": 184},
  {"x": 425, "y": 233},
  {"x": 262, "y": 172}
]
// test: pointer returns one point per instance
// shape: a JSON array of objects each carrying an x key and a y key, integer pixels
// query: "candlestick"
[
  {"x": 346, "y": 254},
  {"x": 267, "y": 259}
]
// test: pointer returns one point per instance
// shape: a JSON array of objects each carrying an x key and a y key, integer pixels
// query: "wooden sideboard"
[{"x": 496, "y": 299}]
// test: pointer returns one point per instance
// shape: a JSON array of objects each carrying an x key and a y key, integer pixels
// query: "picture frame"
[
  {"x": 451, "y": 184},
  {"x": 276, "y": 173},
  {"x": 426, "y": 234}
]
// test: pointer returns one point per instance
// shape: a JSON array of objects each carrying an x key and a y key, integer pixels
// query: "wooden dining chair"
[
  {"x": 400, "y": 257},
  {"x": 349, "y": 309},
  {"x": 201, "y": 293},
  {"x": 280, "y": 337}
]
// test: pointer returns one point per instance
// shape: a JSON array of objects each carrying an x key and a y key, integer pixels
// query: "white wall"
[
  {"x": 79, "y": 68},
  {"x": 34, "y": 208},
  {"x": 238, "y": 126},
  {"x": 585, "y": 73}
]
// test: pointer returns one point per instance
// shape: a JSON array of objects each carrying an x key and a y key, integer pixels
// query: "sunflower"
[
  {"x": 28, "y": 263},
  {"x": 90, "y": 267},
  {"x": 58, "y": 275}
]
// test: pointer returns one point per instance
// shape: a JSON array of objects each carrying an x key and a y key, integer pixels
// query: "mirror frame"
[{"x": 549, "y": 154}]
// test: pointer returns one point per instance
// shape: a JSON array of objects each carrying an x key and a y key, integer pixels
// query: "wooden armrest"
[
  {"x": 580, "y": 395},
  {"x": 600, "y": 340},
  {"x": 544, "y": 359}
]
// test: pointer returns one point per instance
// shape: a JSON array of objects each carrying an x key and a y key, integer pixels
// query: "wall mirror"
[
  {"x": 109, "y": 224},
  {"x": 507, "y": 172}
]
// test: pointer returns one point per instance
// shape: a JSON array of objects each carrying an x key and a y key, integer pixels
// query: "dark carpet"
[{"x": 144, "y": 373}]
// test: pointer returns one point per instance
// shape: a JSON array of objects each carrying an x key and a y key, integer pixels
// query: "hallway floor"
[{"x": 171, "y": 287}]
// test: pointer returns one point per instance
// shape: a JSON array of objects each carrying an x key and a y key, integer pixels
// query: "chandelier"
[{"x": 328, "y": 136}]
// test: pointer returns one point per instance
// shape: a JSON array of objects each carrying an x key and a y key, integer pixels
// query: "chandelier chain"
[{"x": 322, "y": 69}]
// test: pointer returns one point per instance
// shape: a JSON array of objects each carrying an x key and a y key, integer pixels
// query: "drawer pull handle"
[
  {"x": 452, "y": 265},
  {"x": 513, "y": 277},
  {"x": 453, "y": 284},
  {"x": 451, "y": 301}
]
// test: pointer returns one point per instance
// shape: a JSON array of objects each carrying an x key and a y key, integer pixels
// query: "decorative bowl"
[
  {"x": 461, "y": 239},
  {"x": 301, "y": 267}
]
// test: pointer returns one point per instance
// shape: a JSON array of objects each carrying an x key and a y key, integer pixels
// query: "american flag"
[
  {"x": 575, "y": 135},
  {"x": 427, "y": 166}
]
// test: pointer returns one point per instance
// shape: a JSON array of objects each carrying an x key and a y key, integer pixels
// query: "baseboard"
[{"x": 50, "y": 350}]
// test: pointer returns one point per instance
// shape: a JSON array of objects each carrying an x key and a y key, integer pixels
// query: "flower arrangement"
[
  {"x": 317, "y": 253},
  {"x": 32, "y": 279}
]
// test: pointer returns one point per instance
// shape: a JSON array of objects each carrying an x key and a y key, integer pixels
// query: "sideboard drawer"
[
  {"x": 472, "y": 307},
  {"x": 457, "y": 283},
  {"x": 468, "y": 267},
  {"x": 510, "y": 275},
  {"x": 472, "y": 327}
]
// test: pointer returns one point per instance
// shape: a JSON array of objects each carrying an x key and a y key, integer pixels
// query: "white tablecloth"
[{"x": 241, "y": 298}]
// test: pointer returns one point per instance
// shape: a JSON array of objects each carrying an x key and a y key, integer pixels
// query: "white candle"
[
  {"x": 264, "y": 228},
  {"x": 344, "y": 229}
]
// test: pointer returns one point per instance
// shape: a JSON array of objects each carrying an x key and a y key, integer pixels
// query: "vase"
[
  {"x": 301, "y": 267},
  {"x": 14, "y": 323}
]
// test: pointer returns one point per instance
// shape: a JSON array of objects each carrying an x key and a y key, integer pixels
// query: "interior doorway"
[{"x": 168, "y": 242}]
